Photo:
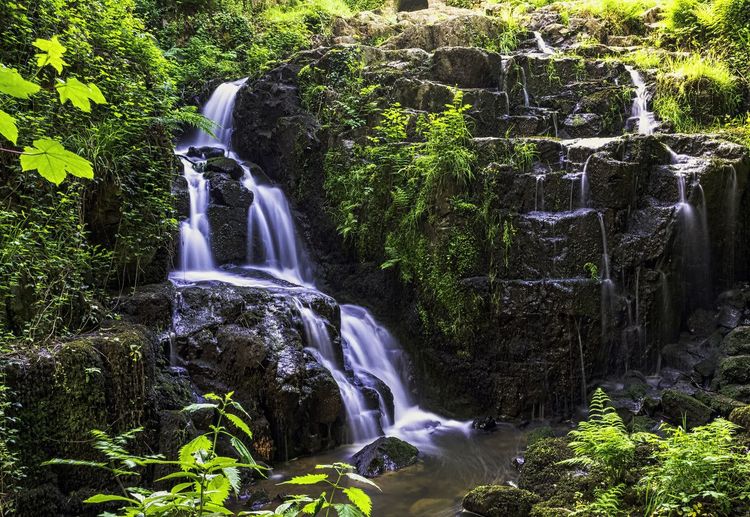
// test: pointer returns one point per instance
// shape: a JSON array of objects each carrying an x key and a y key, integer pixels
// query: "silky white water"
[
  {"x": 645, "y": 119},
  {"x": 373, "y": 359}
]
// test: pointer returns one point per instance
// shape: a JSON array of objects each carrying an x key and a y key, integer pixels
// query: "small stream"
[{"x": 435, "y": 485}]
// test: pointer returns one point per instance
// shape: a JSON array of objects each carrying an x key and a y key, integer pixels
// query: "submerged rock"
[
  {"x": 500, "y": 501},
  {"x": 226, "y": 166},
  {"x": 385, "y": 454}
]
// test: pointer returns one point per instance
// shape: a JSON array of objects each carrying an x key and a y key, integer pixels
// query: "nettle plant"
[
  {"x": 47, "y": 155},
  {"x": 203, "y": 480}
]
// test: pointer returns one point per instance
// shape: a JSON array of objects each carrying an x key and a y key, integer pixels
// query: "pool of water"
[{"x": 455, "y": 463}]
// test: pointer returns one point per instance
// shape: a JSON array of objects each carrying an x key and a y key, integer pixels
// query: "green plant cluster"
[
  {"x": 61, "y": 246},
  {"x": 11, "y": 472},
  {"x": 202, "y": 480},
  {"x": 213, "y": 41},
  {"x": 703, "y": 471}
]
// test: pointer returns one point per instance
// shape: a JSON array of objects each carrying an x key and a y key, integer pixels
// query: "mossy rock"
[
  {"x": 224, "y": 165},
  {"x": 735, "y": 370},
  {"x": 741, "y": 417},
  {"x": 383, "y": 455},
  {"x": 546, "y": 509},
  {"x": 499, "y": 501},
  {"x": 703, "y": 98},
  {"x": 720, "y": 404},
  {"x": 541, "y": 471},
  {"x": 737, "y": 342},
  {"x": 539, "y": 433},
  {"x": 678, "y": 406}
]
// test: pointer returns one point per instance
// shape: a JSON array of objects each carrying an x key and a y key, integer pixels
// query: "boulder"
[
  {"x": 737, "y": 342},
  {"x": 735, "y": 370},
  {"x": 225, "y": 166},
  {"x": 720, "y": 404},
  {"x": 541, "y": 471},
  {"x": 679, "y": 407},
  {"x": 205, "y": 152},
  {"x": 499, "y": 501},
  {"x": 467, "y": 67},
  {"x": 487, "y": 423},
  {"x": 226, "y": 191},
  {"x": 741, "y": 417},
  {"x": 385, "y": 454},
  {"x": 580, "y": 125},
  {"x": 411, "y": 5}
]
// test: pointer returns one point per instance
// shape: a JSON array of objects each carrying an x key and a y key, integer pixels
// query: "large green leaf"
[
  {"x": 79, "y": 94},
  {"x": 240, "y": 424},
  {"x": 190, "y": 449},
  {"x": 347, "y": 510},
  {"x": 218, "y": 489},
  {"x": 12, "y": 83},
  {"x": 360, "y": 499},
  {"x": 51, "y": 53},
  {"x": 8, "y": 127},
  {"x": 104, "y": 498},
  {"x": 54, "y": 162},
  {"x": 307, "y": 479},
  {"x": 361, "y": 479}
]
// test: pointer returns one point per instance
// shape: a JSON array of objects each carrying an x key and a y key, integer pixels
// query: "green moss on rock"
[
  {"x": 678, "y": 406},
  {"x": 741, "y": 417},
  {"x": 499, "y": 501},
  {"x": 541, "y": 472}
]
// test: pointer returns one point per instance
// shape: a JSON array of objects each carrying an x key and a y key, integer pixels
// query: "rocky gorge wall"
[{"x": 547, "y": 322}]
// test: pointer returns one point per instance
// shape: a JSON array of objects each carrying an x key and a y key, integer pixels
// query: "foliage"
[
  {"x": 592, "y": 269},
  {"x": 466, "y": 4},
  {"x": 603, "y": 441},
  {"x": 10, "y": 470},
  {"x": 606, "y": 503},
  {"x": 203, "y": 478},
  {"x": 359, "y": 503},
  {"x": 623, "y": 16},
  {"x": 701, "y": 472},
  {"x": 509, "y": 231}
]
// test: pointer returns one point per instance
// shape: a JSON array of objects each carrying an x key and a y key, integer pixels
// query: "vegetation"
[{"x": 202, "y": 480}]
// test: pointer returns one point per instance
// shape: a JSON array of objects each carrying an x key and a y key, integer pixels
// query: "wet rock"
[
  {"x": 205, "y": 152},
  {"x": 735, "y": 370},
  {"x": 225, "y": 166},
  {"x": 411, "y": 5},
  {"x": 583, "y": 125},
  {"x": 384, "y": 455},
  {"x": 679, "y": 407},
  {"x": 149, "y": 305},
  {"x": 499, "y": 501},
  {"x": 467, "y": 67},
  {"x": 729, "y": 317},
  {"x": 739, "y": 392},
  {"x": 737, "y": 342},
  {"x": 228, "y": 233},
  {"x": 456, "y": 31},
  {"x": 487, "y": 423},
  {"x": 719, "y": 404},
  {"x": 226, "y": 191},
  {"x": 741, "y": 417}
]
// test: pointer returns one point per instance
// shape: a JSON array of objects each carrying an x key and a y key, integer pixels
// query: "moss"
[
  {"x": 741, "y": 417},
  {"x": 678, "y": 406},
  {"x": 499, "y": 501},
  {"x": 735, "y": 370},
  {"x": 720, "y": 404},
  {"x": 538, "y": 434},
  {"x": 541, "y": 472}
]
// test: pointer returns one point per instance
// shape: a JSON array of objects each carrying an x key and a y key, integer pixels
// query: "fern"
[{"x": 606, "y": 503}]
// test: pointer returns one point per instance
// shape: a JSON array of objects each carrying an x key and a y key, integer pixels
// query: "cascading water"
[
  {"x": 373, "y": 359},
  {"x": 645, "y": 119},
  {"x": 526, "y": 102},
  {"x": 541, "y": 44},
  {"x": 585, "y": 183},
  {"x": 539, "y": 193}
]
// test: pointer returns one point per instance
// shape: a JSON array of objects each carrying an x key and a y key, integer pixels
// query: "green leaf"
[
  {"x": 307, "y": 479},
  {"x": 12, "y": 83},
  {"x": 190, "y": 449},
  {"x": 233, "y": 475},
  {"x": 244, "y": 453},
  {"x": 79, "y": 94},
  {"x": 104, "y": 498},
  {"x": 218, "y": 489},
  {"x": 53, "y": 162},
  {"x": 361, "y": 479},
  {"x": 51, "y": 53},
  {"x": 192, "y": 408},
  {"x": 360, "y": 499},
  {"x": 347, "y": 510},
  {"x": 240, "y": 424}
]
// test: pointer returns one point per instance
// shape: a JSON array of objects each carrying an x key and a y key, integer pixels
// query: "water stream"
[
  {"x": 645, "y": 119},
  {"x": 542, "y": 45},
  {"x": 373, "y": 360}
]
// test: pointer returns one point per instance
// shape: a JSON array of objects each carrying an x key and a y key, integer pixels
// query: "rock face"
[
  {"x": 411, "y": 5},
  {"x": 385, "y": 454},
  {"x": 499, "y": 501},
  {"x": 550, "y": 319}
]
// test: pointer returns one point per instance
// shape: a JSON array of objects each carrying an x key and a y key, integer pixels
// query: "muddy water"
[{"x": 435, "y": 486}]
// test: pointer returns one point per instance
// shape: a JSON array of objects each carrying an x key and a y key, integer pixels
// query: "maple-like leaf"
[
  {"x": 54, "y": 162},
  {"x": 13, "y": 84},
  {"x": 51, "y": 53},
  {"x": 79, "y": 94},
  {"x": 8, "y": 127}
]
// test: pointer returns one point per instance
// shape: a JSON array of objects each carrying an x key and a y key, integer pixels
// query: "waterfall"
[
  {"x": 639, "y": 112},
  {"x": 608, "y": 286},
  {"x": 585, "y": 183},
  {"x": 526, "y": 102},
  {"x": 541, "y": 45},
  {"x": 195, "y": 248},
  {"x": 731, "y": 220},
  {"x": 539, "y": 193},
  {"x": 374, "y": 362}
]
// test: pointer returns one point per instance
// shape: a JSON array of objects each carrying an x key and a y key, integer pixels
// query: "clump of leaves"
[
  {"x": 359, "y": 503},
  {"x": 603, "y": 441},
  {"x": 205, "y": 479}
]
